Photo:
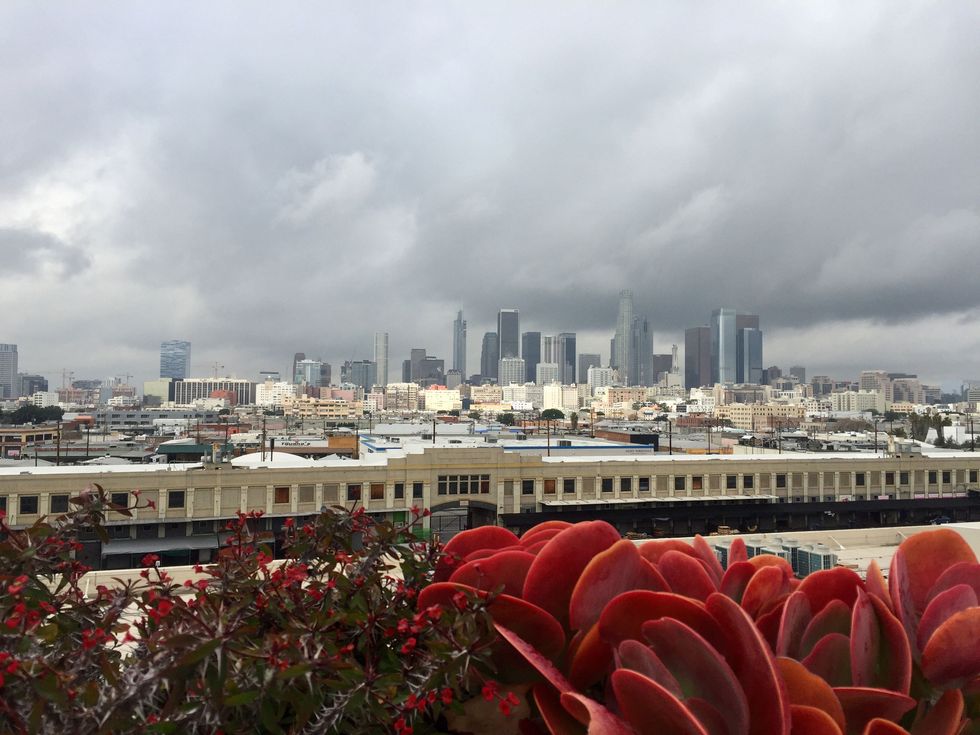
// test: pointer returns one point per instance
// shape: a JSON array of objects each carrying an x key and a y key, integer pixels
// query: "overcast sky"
[{"x": 265, "y": 178}]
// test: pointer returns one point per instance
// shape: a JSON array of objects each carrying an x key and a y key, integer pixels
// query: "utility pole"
[
  {"x": 58, "y": 460},
  {"x": 263, "y": 438}
]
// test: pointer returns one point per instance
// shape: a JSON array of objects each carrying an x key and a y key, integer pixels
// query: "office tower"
[
  {"x": 600, "y": 377},
  {"x": 459, "y": 344},
  {"x": 697, "y": 357},
  {"x": 724, "y": 351},
  {"x": 749, "y": 356},
  {"x": 325, "y": 374},
  {"x": 489, "y": 356},
  {"x": 510, "y": 370},
  {"x": 175, "y": 359},
  {"x": 297, "y": 357},
  {"x": 531, "y": 352},
  {"x": 546, "y": 372},
  {"x": 585, "y": 361},
  {"x": 308, "y": 372},
  {"x": 272, "y": 375},
  {"x": 362, "y": 373},
  {"x": 622, "y": 341},
  {"x": 565, "y": 343},
  {"x": 380, "y": 359},
  {"x": 800, "y": 373},
  {"x": 746, "y": 321},
  {"x": 454, "y": 379},
  {"x": 423, "y": 369},
  {"x": 508, "y": 333},
  {"x": 663, "y": 363},
  {"x": 641, "y": 353},
  {"x": 31, "y": 384},
  {"x": 548, "y": 351},
  {"x": 9, "y": 385}
]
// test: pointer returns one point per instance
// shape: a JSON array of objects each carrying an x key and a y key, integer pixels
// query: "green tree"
[
  {"x": 475, "y": 415},
  {"x": 573, "y": 419},
  {"x": 507, "y": 419},
  {"x": 552, "y": 414}
]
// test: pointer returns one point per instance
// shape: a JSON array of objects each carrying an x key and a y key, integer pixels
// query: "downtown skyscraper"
[
  {"x": 9, "y": 387},
  {"x": 632, "y": 345},
  {"x": 175, "y": 359},
  {"x": 380, "y": 358},
  {"x": 459, "y": 344},
  {"x": 508, "y": 333}
]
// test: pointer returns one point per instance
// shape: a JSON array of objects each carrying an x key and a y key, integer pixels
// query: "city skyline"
[{"x": 168, "y": 173}]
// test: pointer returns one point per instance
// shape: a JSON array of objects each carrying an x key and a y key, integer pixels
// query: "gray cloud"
[{"x": 264, "y": 180}]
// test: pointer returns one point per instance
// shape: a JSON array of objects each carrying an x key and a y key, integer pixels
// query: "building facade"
[
  {"x": 531, "y": 354},
  {"x": 380, "y": 359},
  {"x": 508, "y": 333},
  {"x": 175, "y": 359},
  {"x": 459, "y": 344},
  {"x": 566, "y": 354}
]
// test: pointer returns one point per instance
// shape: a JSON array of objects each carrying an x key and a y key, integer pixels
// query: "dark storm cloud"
[{"x": 264, "y": 180}]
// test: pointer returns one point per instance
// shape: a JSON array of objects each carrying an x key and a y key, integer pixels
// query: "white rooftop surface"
[
  {"x": 99, "y": 469},
  {"x": 271, "y": 459},
  {"x": 856, "y": 547}
]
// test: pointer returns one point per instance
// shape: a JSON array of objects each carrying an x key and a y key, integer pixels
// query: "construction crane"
[{"x": 216, "y": 367}]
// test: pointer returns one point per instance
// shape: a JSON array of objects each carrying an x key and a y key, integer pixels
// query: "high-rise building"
[
  {"x": 724, "y": 350},
  {"x": 585, "y": 361},
  {"x": 549, "y": 352},
  {"x": 308, "y": 372},
  {"x": 600, "y": 377},
  {"x": 663, "y": 363},
  {"x": 749, "y": 356},
  {"x": 489, "y": 356},
  {"x": 546, "y": 373},
  {"x": 380, "y": 359},
  {"x": 697, "y": 357},
  {"x": 641, "y": 353},
  {"x": 510, "y": 370},
  {"x": 325, "y": 375},
  {"x": 800, "y": 372},
  {"x": 622, "y": 341},
  {"x": 297, "y": 357},
  {"x": 508, "y": 333},
  {"x": 31, "y": 384},
  {"x": 362, "y": 373},
  {"x": 9, "y": 385},
  {"x": 175, "y": 359},
  {"x": 459, "y": 344},
  {"x": 531, "y": 352},
  {"x": 423, "y": 369},
  {"x": 566, "y": 357}
]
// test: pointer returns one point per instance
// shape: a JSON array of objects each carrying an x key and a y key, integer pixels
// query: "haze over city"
[{"x": 265, "y": 180}]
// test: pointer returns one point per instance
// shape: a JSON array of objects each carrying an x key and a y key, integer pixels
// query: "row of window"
[
  {"x": 463, "y": 484},
  {"x": 377, "y": 490}
]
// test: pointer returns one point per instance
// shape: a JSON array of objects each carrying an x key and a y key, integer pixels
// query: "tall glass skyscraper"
[
  {"x": 724, "y": 351},
  {"x": 531, "y": 352},
  {"x": 459, "y": 344},
  {"x": 508, "y": 334},
  {"x": 9, "y": 387},
  {"x": 380, "y": 359},
  {"x": 175, "y": 359},
  {"x": 566, "y": 357}
]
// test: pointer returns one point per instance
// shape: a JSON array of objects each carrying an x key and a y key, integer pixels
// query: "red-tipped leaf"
[
  {"x": 880, "y": 655},
  {"x": 830, "y": 659},
  {"x": 625, "y": 615},
  {"x": 557, "y": 567},
  {"x": 650, "y": 709},
  {"x": 466, "y": 542},
  {"x": 598, "y": 719},
  {"x": 944, "y": 718},
  {"x": 942, "y": 607},
  {"x": 835, "y": 617},
  {"x": 862, "y": 705},
  {"x": 793, "y": 622},
  {"x": 951, "y": 658},
  {"x": 812, "y": 721},
  {"x": 806, "y": 688},
  {"x": 752, "y": 662},
  {"x": 505, "y": 568},
  {"x": 736, "y": 579},
  {"x": 686, "y": 575},
  {"x": 839, "y": 583},
  {"x": 618, "y": 569}
]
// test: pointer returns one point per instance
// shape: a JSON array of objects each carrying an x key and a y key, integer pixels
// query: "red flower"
[
  {"x": 447, "y": 696},
  {"x": 151, "y": 504},
  {"x": 149, "y": 560}
]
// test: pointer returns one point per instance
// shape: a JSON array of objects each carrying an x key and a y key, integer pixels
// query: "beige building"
[
  {"x": 761, "y": 416},
  {"x": 306, "y": 407}
]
